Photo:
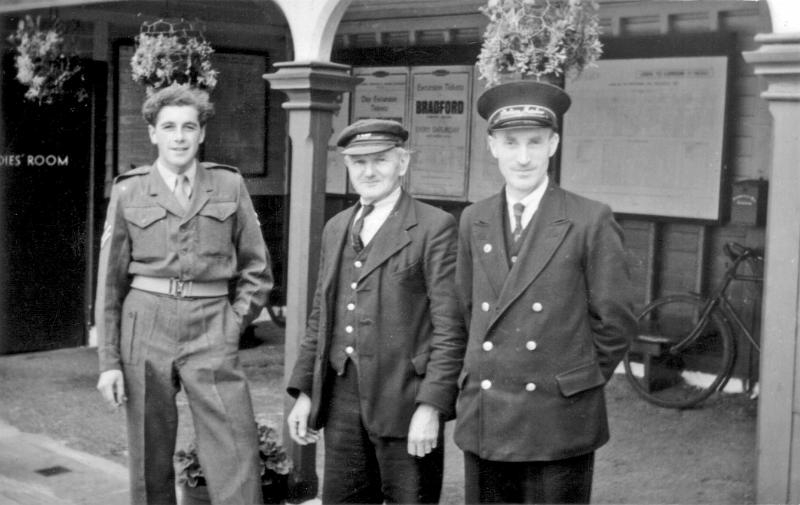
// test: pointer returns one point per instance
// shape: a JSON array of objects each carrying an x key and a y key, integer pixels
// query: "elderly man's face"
[
  {"x": 523, "y": 155},
  {"x": 375, "y": 176}
]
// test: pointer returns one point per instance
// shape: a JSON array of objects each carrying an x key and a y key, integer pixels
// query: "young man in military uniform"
[
  {"x": 545, "y": 288},
  {"x": 384, "y": 341},
  {"x": 178, "y": 234}
]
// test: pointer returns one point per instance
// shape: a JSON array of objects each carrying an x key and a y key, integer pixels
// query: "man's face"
[
  {"x": 523, "y": 155},
  {"x": 178, "y": 135},
  {"x": 375, "y": 176}
]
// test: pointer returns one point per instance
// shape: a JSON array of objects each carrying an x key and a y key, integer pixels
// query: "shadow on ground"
[{"x": 704, "y": 455}]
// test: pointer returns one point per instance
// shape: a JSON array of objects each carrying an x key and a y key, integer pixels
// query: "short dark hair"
[{"x": 178, "y": 95}]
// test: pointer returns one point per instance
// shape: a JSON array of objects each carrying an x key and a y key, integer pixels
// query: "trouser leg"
[
  {"x": 364, "y": 469},
  {"x": 351, "y": 472},
  {"x": 407, "y": 478},
  {"x": 561, "y": 481},
  {"x": 486, "y": 482},
  {"x": 219, "y": 398},
  {"x": 152, "y": 416}
]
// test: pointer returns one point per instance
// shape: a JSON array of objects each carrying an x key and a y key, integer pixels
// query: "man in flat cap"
[
  {"x": 544, "y": 287},
  {"x": 385, "y": 341}
]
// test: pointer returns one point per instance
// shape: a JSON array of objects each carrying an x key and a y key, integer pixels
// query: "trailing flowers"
[
  {"x": 537, "y": 38},
  {"x": 43, "y": 64},
  {"x": 167, "y": 54}
]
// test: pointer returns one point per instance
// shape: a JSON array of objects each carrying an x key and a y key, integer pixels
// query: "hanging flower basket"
[
  {"x": 43, "y": 64},
  {"x": 542, "y": 39},
  {"x": 172, "y": 52}
]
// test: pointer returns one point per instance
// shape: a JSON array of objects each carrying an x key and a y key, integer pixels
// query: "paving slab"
[{"x": 36, "y": 470}]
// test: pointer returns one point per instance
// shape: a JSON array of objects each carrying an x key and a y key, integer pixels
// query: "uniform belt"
[{"x": 179, "y": 288}]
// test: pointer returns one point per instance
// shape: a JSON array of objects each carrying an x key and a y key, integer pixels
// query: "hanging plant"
[
  {"x": 172, "y": 51},
  {"x": 43, "y": 64},
  {"x": 538, "y": 38}
]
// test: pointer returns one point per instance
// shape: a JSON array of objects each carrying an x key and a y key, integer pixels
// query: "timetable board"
[{"x": 646, "y": 136}]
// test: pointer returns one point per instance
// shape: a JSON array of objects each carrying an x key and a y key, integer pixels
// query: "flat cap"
[
  {"x": 523, "y": 104},
  {"x": 369, "y": 136}
]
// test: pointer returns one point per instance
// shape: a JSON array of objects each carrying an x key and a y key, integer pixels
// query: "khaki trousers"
[{"x": 167, "y": 343}]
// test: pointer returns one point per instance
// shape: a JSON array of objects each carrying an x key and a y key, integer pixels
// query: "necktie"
[
  {"x": 355, "y": 236},
  {"x": 518, "y": 210},
  {"x": 183, "y": 190}
]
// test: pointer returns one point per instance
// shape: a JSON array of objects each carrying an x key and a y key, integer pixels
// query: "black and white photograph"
[{"x": 320, "y": 252}]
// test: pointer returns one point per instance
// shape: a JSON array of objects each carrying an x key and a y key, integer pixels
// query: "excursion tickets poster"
[
  {"x": 439, "y": 131},
  {"x": 382, "y": 94}
]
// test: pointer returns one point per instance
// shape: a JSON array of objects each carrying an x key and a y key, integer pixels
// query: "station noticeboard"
[{"x": 646, "y": 136}]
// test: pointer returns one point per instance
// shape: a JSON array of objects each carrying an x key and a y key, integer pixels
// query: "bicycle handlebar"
[{"x": 736, "y": 251}]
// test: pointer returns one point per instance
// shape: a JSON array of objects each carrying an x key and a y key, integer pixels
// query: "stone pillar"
[
  {"x": 778, "y": 479},
  {"x": 313, "y": 89}
]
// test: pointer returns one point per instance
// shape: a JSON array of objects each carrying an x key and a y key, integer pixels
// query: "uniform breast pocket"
[
  {"x": 148, "y": 231},
  {"x": 411, "y": 278},
  {"x": 216, "y": 227}
]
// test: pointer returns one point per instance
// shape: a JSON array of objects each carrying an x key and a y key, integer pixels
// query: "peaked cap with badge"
[
  {"x": 370, "y": 136},
  {"x": 523, "y": 104}
]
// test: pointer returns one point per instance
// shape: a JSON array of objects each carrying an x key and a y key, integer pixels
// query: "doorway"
[{"x": 50, "y": 215}]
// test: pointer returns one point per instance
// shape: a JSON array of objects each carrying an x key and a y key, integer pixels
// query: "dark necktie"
[
  {"x": 518, "y": 210},
  {"x": 355, "y": 234}
]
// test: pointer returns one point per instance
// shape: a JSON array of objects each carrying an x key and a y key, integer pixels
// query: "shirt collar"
[
  {"x": 171, "y": 178},
  {"x": 388, "y": 201},
  {"x": 531, "y": 202}
]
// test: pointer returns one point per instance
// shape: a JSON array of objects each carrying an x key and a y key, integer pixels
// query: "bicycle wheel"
[{"x": 683, "y": 379}]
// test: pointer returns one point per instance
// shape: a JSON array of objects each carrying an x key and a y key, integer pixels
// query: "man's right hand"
[
  {"x": 298, "y": 421},
  {"x": 111, "y": 385}
]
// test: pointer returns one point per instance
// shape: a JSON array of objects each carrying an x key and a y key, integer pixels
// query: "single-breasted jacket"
[
  {"x": 409, "y": 333},
  {"x": 545, "y": 332}
]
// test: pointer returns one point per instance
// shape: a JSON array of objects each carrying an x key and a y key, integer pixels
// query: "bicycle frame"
[{"x": 718, "y": 299}]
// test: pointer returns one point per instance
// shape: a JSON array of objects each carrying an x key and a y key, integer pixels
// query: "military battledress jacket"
[
  {"x": 148, "y": 233},
  {"x": 545, "y": 332}
]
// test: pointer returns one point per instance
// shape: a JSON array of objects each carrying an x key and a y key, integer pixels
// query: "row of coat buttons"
[
  {"x": 354, "y": 285},
  {"x": 487, "y": 248},
  {"x": 529, "y": 345},
  {"x": 536, "y": 307},
  {"x": 487, "y": 384}
]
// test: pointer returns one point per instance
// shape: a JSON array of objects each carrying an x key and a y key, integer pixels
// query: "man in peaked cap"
[
  {"x": 384, "y": 342},
  {"x": 178, "y": 233},
  {"x": 545, "y": 291}
]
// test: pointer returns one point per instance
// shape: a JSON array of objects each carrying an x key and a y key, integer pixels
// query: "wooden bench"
[{"x": 653, "y": 349}]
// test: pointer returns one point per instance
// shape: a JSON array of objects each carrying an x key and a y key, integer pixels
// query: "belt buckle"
[{"x": 177, "y": 287}]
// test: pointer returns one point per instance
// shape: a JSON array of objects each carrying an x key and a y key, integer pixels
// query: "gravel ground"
[{"x": 704, "y": 455}]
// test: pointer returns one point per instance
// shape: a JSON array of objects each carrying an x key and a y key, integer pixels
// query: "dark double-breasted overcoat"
[
  {"x": 410, "y": 338},
  {"x": 545, "y": 332}
]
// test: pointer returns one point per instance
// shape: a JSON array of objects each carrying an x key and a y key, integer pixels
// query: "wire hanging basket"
[{"x": 173, "y": 51}]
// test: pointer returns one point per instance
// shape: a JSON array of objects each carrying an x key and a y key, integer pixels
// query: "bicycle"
[{"x": 685, "y": 349}]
